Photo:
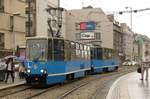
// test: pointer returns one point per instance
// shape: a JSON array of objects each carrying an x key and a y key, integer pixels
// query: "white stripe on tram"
[
  {"x": 105, "y": 66},
  {"x": 60, "y": 74}
]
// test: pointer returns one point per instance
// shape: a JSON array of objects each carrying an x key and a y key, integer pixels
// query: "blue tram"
[
  {"x": 103, "y": 59},
  {"x": 55, "y": 60}
]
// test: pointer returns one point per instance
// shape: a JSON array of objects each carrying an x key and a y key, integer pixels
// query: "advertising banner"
[
  {"x": 87, "y": 35},
  {"x": 87, "y": 25}
]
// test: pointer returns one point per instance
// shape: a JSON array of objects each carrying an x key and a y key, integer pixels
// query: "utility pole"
[
  {"x": 29, "y": 18},
  {"x": 59, "y": 19},
  {"x": 131, "y": 11},
  {"x": 12, "y": 30},
  {"x": 131, "y": 14},
  {"x": 13, "y": 33}
]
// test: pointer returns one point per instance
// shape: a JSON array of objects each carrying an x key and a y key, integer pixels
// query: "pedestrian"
[
  {"x": 9, "y": 69},
  {"x": 21, "y": 70},
  {"x": 2, "y": 69},
  {"x": 145, "y": 66}
]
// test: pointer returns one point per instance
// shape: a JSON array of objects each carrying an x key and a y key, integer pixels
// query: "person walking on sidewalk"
[
  {"x": 145, "y": 66},
  {"x": 21, "y": 70},
  {"x": 10, "y": 69},
  {"x": 2, "y": 69}
]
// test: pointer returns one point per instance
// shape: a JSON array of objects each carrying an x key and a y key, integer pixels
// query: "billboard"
[
  {"x": 87, "y": 25},
  {"x": 87, "y": 35}
]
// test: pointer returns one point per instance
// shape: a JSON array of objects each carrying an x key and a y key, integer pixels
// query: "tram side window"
[
  {"x": 95, "y": 53},
  {"x": 58, "y": 49},
  {"x": 50, "y": 49},
  {"x": 85, "y": 52},
  {"x": 92, "y": 53},
  {"x": 105, "y": 54},
  {"x": 82, "y": 51},
  {"x": 99, "y": 53},
  {"x": 67, "y": 50},
  {"x": 73, "y": 50},
  {"x": 88, "y": 52},
  {"x": 77, "y": 51},
  {"x": 108, "y": 53},
  {"x": 111, "y": 53}
]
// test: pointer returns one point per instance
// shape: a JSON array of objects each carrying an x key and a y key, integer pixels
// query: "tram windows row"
[
  {"x": 60, "y": 49},
  {"x": 102, "y": 53}
]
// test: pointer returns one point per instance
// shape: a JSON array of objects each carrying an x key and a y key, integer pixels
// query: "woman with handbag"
[{"x": 145, "y": 66}]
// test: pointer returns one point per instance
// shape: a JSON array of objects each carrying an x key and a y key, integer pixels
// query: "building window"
[
  {"x": 31, "y": 27},
  {"x": 98, "y": 35},
  {"x": 1, "y": 40},
  {"x": 1, "y": 5},
  {"x": 77, "y": 36}
]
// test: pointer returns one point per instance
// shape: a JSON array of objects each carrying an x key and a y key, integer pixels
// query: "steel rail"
[
  {"x": 6, "y": 92},
  {"x": 86, "y": 83}
]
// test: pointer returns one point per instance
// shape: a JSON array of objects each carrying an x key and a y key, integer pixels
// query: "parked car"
[{"x": 129, "y": 63}]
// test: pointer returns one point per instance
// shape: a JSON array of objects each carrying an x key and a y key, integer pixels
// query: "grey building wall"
[
  {"x": 127, "y": 41},
  {"x": 103, "y": 29},
  {"x": 118, "y": 40},
  {"x": 44, "y": 12}
]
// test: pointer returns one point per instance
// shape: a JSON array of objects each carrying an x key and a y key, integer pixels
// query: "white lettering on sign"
[{"x": 87, "y": 35}]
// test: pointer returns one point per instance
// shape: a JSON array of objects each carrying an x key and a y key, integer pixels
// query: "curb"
[{"x": 12, "y": 85}]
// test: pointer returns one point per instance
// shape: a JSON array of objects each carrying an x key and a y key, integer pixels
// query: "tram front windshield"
[{"x": 36, "y": 49}]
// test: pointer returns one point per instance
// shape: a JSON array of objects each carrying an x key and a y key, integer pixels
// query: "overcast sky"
[{"x": 141, "y": 20}]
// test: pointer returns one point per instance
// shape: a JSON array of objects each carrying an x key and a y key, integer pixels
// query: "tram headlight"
[
  {"x": 42, "y": 71},
  {"x": 28, "y": 71}
]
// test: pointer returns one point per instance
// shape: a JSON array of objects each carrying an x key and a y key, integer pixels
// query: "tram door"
[
  {"x": 58, "y": 47},
  {"x": 67, "y": 50},
  {"x": 96, "y": 53}
]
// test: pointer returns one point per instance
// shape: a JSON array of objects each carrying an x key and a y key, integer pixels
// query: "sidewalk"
[
  {"x": 130, "y": 87},
  {"x": 9, "y": 83}
]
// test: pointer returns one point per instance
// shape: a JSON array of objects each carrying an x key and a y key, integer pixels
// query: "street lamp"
[
  {"x": 12, "y": 29},
  {"x": 131, "y": 12},
  {"x": 29, "y": 17},
  {"x": 130, "y": 15},
  {"x": 131, "y": 28}
]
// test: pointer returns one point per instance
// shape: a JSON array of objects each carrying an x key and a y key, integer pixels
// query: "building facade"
[
  {"x": 118, "y": 38},
  {"x": 146, "y": 46},
  {"x": 118, "y": 41},
  {"x": 45, "y": 17},
  {"x": 88, "y": 25},
  {"x": 128, "y": 39},
  {"x": 12, "y": 25}
]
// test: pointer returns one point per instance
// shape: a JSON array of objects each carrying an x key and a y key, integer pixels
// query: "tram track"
[
  {"x": 13, "y": 90},
  {"x": 69, "y": 92},
  {"x": 68, "y": 89},
  {"x": 41, "y": 92},
  {"x": 62, "y": 91}
]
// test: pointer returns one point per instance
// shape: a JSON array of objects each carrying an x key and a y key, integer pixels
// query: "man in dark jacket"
[{"x": 10, "y": 69}]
